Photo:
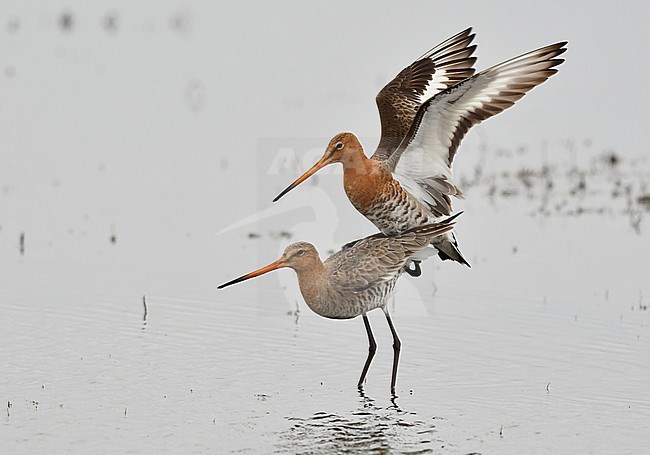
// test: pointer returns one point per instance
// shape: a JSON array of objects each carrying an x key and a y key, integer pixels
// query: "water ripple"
[{"x": 367, "y": 429}]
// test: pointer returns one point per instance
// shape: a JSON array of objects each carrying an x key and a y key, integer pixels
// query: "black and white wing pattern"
[
  {"x": 423, "y": 161},
  {"x": 398, "y": 102}
]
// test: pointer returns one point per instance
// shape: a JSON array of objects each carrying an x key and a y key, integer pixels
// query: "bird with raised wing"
[
  {"x": 425, "y": 112},
  {"x": 357, "y": 279}
]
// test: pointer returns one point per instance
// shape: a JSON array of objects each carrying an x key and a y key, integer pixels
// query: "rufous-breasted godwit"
[
  {"x": 425, "y": 112},
  {"x": 357, "y": 279}
]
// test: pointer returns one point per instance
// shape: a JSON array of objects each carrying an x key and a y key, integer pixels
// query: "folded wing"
[{"x": 377, "y": 259}]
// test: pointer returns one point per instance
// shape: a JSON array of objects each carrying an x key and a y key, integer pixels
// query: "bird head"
[
  {"x": 343, "y": 148},
  {"x": 296, "y": 256}
]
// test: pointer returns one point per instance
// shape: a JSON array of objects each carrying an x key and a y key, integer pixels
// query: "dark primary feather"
[
  {"x": 427, "y": 152},
  {"x": 501, "y": 85},
  {"x": 445, "y": 65}
]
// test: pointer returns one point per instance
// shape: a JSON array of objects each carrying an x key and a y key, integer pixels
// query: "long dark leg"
[
  {"x": 397, "y": 345},
  {"x": 372, "y": 348}
]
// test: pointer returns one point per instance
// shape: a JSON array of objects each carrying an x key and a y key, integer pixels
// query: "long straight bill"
[
  {"x": 269, "y": 268},
  {"x": 312, "y": 170}
]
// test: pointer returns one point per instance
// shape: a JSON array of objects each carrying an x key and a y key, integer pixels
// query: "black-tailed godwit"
[
  {"x": 357, "y": 279},
  {"x": 425, "y": 113}
]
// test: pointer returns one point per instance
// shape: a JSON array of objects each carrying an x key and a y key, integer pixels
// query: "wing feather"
[
  {"x": 377, "y": 259},
  {"x": 426, "y": 154},
  {"x": 443, "y": 66}
]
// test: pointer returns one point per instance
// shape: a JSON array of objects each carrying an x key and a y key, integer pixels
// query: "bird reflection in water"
[{"x": 368, "y": 429}]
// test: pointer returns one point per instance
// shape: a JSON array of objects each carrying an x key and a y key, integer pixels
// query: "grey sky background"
[{"x": 304, "y": 69}]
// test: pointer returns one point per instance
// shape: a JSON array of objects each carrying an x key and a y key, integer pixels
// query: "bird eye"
[
  {"x": 338, "y": 146},
  {"x": 300, "y": 252}
]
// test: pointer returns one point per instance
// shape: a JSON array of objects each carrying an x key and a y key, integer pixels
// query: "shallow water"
[
  {"x": 541, "y": 345},
  {"x": 129, "y": 191}
]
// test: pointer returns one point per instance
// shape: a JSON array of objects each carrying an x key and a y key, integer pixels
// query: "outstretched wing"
[
  {"x": 423, "y": 161},
  {"x": 443, "y": 66},
  {"x": 378, "y": 258}
]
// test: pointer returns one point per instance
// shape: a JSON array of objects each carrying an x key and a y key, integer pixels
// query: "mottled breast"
[{"x": 391, "y": 208}]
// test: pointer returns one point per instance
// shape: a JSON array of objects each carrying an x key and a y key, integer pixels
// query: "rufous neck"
[{"x": 357, "y": 163}]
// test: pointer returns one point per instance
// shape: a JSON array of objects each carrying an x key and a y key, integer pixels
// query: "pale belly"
[{"x": 340, "y": 304}]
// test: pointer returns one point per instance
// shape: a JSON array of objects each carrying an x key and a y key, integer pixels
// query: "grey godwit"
[
  {"x": 357, "y": 279},
  {"x": 425, "y": 112}
]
